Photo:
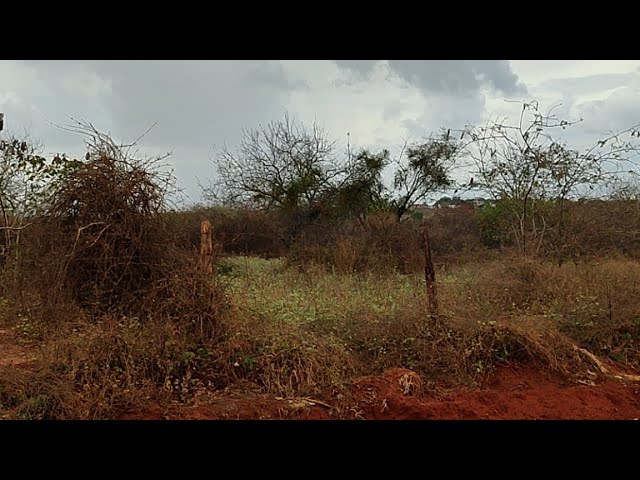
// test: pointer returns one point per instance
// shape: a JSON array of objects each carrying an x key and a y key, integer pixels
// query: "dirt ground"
[
  {"x": 512, "y": 393},
  {"x": 11, "y": 352},
  {"x": 515, "y": 392}
]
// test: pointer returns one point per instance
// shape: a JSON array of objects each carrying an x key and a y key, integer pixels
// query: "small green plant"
[{"x": 494, "y": 227}]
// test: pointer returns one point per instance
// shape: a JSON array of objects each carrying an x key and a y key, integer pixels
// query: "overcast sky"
[{"x": 199, "y": 105}]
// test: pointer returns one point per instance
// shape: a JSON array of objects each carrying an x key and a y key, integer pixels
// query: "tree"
[
  {"x": 445, "y": 202},
  {"x": 281, "y": 165},
  {"x": 288, "y": 168},
  {"x": 626, "y": 190},
  {"x": 534, "y": 174},
  {"x": 24, "y": 178},
  {"x": 426, "y": 170},
  {"x": 362, "y": 190}
]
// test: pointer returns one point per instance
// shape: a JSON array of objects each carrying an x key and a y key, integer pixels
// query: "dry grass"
[
  {"x": 310, "y": 333},
  {"x": 345, "y": 255},
  {"x": 121, "y": 312},
  {"x": 493, "y": 312},
  {"x": 96, "y": 370}
]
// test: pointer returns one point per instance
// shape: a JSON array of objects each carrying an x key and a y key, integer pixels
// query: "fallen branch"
[
  {"x": 17, "y": 228},
  {"x": 606, "y": 371},
  {"x": 318, "y": 402}
]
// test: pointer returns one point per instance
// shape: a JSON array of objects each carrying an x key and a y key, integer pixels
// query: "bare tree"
[
  {"x": 99, "y": 144},
  {"x": 528, "y": 168},
  {"x": 282, "y": 164}
]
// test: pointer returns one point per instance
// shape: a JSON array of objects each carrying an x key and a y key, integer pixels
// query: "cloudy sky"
[{"x": 199, "y": 105}]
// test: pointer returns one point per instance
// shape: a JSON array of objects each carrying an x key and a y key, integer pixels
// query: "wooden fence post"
[
  {"x": 429, "y": 275},
  {"x": 206, "y": 247}
]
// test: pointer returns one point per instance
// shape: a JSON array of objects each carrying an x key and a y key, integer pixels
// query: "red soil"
[{"x": 514, "y": 393}]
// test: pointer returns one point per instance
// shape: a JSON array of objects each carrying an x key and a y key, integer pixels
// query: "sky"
[{"x": 199, "y": 106}]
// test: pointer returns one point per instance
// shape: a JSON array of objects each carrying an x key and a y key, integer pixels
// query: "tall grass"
[
  {"x": 303, "y": 332},
  {"x": 493, "y": 311}
]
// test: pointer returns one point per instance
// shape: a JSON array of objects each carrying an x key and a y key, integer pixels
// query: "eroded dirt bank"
[{"x": 512, "y": 393}]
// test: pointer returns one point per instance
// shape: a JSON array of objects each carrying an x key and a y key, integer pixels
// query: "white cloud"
[
  {"x": 373, "y": 110},
  {"x": 533, "y": 72},
  {"x": 201, "y": 104}
]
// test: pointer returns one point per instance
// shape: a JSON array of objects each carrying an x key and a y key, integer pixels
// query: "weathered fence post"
[
  {"x": 429, "y": 275},
  {"x": 206, "y": 247}
]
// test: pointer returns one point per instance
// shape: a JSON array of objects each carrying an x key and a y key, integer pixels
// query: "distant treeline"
[{"x": 587, "y": 228}]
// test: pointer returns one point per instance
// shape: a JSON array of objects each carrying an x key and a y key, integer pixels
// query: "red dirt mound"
[{"x": 513, "y": 393}]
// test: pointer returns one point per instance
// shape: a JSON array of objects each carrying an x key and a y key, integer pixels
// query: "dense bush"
[
  {"x": 235, "y": 231},
  {"x": 380, "y": 242}
]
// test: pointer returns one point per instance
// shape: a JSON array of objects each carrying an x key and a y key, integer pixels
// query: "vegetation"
[
  {"x": 319, "y": 271},
  {"x": 99, "y": 278},
  {"x": 534, "y": 174}
]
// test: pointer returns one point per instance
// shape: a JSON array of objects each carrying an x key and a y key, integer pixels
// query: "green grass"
[
  {"x": 298, "y": 332},
  {"x": 266, "y": 288},
  {"x": 480, "y": 292},
  {"x": 376, "y": 314}
]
